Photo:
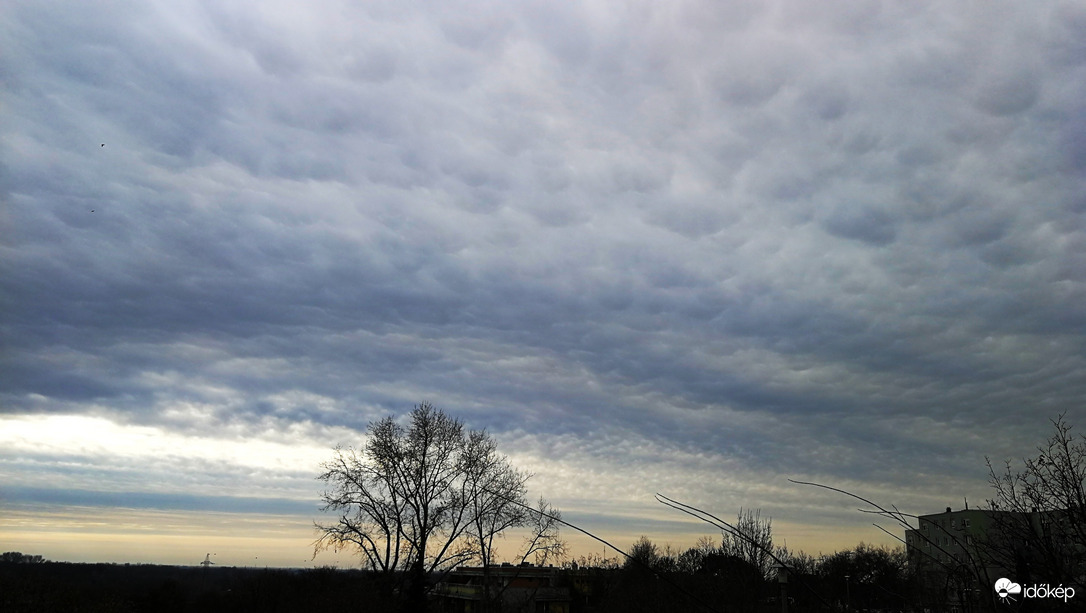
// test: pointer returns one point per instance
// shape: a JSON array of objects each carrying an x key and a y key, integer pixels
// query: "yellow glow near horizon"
[
  {"x": 95, "y": 534},
  {"x": 110, "y": 534},
  {"x": 167, "y": 537}
]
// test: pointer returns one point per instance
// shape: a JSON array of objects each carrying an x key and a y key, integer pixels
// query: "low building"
[
  {"x": 957, "y": 556},
  {"x": 524, "y": 588}
]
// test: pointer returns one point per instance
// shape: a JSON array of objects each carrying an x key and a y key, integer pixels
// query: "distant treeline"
[
  {"x": 107, "y": 588},
  {"x": 15, "y": 557},
  {"x": 653, "y": 581},
  {"x": 714, "y": 577}
]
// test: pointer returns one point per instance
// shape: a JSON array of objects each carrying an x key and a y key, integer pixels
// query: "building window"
[{"x": 966, "y": 522}]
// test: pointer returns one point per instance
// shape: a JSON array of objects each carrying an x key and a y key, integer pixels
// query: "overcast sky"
[{"x": 695, "y": 248}]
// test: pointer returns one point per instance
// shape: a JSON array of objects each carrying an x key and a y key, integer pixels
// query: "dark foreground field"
[{"x": 73, "y": 588}]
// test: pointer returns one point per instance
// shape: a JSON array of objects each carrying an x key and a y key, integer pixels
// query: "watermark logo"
[{"x": 1007, "y": 590}]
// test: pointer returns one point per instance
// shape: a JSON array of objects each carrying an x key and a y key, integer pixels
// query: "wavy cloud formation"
[{"x": 703, "y": 246}]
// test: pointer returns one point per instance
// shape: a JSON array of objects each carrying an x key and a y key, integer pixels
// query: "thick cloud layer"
[{"x": 686, "y": 247}]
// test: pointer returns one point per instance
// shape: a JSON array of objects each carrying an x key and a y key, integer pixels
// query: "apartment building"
[{"x": 957, "y": 556}]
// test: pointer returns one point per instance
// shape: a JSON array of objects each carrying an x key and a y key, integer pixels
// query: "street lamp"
[{"x": 782, "y": 581}]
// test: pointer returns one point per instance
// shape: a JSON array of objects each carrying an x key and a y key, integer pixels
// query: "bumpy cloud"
[{"x": 835, "y": 243}]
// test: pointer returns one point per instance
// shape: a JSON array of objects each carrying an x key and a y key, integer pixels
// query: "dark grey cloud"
[
  {"x": 870, "y": 225},
  {"x": 827, "y": 243}
]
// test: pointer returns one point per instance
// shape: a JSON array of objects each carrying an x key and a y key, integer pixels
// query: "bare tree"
[
  {"x": 495, "y": 492},
  {"x": 420, "y": 499},
  {"x": 543, "y": 543},
  {"x": 644, "y": 556},
  {"x": 692, "y": 561},
  {"x": 1034, "y": 526},
  {"x": 1041, "y": 510},
  {"x": 866, "y": 577},
  {"x": 751, "y": 541}
]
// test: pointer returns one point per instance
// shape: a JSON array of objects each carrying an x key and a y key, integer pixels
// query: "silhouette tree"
[
  {"x": 496, "y": 495},
  {"x": 644, "y": 556},
  {"x": 1042, "y": 506},
  {"x": 692, "y": 561},
  {"x": 420, "y": 499},
  {"x": 641, "y": 585},
  {"x": 17, "y": 557},
  {"x": 1034, "y": 526},
  {"x": 751, "y": 541},
  {"x": 866, "y": 577}
]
